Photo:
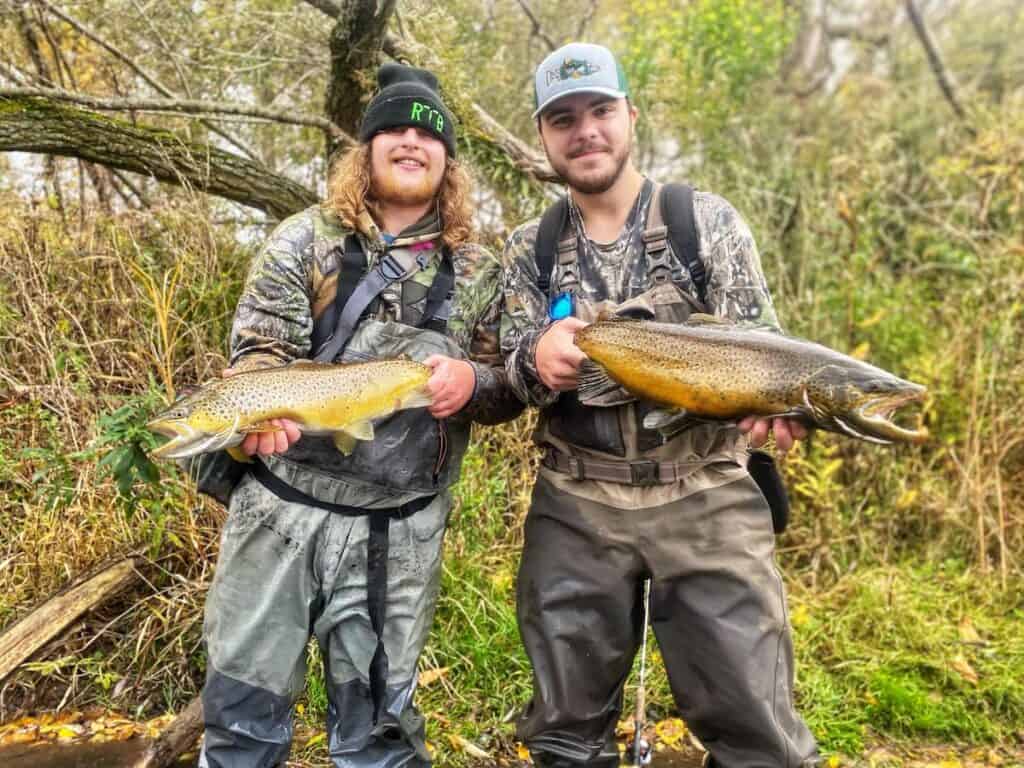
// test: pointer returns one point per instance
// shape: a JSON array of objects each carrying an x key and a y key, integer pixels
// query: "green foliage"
[
  {"x": 125, "y": 443},
  {"x": 697, "y": 64}
]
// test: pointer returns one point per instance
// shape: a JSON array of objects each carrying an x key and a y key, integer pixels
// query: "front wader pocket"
[
  {"x": 586, "y": 426},
  {"x": 762, "y": 468}
]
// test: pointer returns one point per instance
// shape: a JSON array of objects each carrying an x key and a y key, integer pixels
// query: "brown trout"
[
  {"x": 337, "y": 400},
  {"x": 712, "y": 369}
]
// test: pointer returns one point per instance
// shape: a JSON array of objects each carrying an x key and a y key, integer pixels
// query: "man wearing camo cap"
[{"x": 616, "y": 501}]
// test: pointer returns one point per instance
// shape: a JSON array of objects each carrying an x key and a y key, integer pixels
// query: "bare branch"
[
  {"x": 329, "y": 7},
  {"x": 944, "y": 77},
  {"x": 48, "y": 127},
  {"x": 588, "y": 17},
  {"x": 855, "y": 31},
  {"x": 117, "y": 53},
  {"x": 184, "y": 106},
  {"x": 537, "y": 30}
]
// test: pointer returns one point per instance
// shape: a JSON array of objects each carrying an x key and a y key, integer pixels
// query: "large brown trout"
[
  {"x": 713, "y": 369},
  {"x": 337, "y": 400}
]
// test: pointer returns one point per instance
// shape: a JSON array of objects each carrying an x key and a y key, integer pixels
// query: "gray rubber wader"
[
  {"x": 287, "y": 571},
  {"x": 717, "y": 610}
]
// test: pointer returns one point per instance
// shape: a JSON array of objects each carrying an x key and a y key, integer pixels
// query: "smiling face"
[
  {"x": 406, "y": 166},
  {"x": 588, "y": 138}
]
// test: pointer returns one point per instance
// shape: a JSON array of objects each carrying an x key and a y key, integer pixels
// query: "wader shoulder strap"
[
  {"x": 676, "y": 209},
  {"x": 436, "y": 311},
  {"x": 387, "y": 271},
  {"x": 550, "y": 244}
]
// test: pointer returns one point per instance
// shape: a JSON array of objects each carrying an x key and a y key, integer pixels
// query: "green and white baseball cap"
[{"x": 578, "y": 68}]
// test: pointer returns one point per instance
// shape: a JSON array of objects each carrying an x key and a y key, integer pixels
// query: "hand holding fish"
[
  {"x": 451, "y": 385},
  {"x": 558, "y": 358},
  {"x": 787, "y": 431}
]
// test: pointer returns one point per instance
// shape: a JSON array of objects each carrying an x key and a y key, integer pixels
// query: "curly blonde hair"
[{"x": 348, "y": 194}]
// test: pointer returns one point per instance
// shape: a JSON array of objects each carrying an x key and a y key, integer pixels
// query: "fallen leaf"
[
  {"x": 964, "y": 669},
  {"x": 316, "y": 739},
  {"x": 670, "y": 732},
  {"x": 834, "y": 762},
  {"x": 522, "y": 752},
  {"x": 428, "y": 676},
  {"x": 968, "y": 634},
  {"x": 467, "y": 746}
]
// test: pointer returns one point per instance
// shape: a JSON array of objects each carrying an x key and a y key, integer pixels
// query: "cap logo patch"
[
  {"x": 571, "y": 69},
  {"x": 424, "y": 113}
]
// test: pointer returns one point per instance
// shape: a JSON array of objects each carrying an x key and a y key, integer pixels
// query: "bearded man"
[
  {"x": 348, "y": 548},
  {"x": 618, "y": 503}
]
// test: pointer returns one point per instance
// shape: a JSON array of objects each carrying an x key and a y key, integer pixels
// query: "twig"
[
  {"x": 944, "y": 77},
  {"x": 537, "y": 29}
]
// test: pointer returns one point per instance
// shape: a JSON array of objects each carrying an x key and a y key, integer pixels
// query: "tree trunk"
[
  {"x": 40, "y": 125},
  {"x": 356, "y": 41}
]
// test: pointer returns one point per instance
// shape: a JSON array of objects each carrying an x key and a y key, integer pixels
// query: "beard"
[
  {"x": 387, "y": 187},
  {"x": 593, "y": 182}
]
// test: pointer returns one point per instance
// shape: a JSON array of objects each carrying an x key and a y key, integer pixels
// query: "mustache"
[{"x": 589, "y": 148}]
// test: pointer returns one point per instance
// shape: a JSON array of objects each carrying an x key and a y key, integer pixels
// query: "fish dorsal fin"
[{"x": 306, "y": 365}]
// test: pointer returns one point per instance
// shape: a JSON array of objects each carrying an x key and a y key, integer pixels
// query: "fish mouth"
[
  {"x": 186, "y": 441},
  {"x": 873, "y": 420}
]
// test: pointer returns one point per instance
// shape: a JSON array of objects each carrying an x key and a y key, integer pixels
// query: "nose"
[{"x": 410, "y": 136}]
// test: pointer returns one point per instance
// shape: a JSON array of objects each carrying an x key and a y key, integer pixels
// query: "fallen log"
[
  {"x": 53, "y": 617},
  {"x": 179, "y": 737}
]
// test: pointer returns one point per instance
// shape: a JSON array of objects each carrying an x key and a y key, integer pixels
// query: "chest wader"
[
  {"x": 357, "y": 300},
  {"x": 579, "y": 586},
  {"x": 612, "y": 437}
]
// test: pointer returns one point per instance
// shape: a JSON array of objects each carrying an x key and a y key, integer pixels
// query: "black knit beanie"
[{"x": 408, "y": 96}]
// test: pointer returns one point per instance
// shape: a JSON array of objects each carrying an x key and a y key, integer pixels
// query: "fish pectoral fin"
[
  {"x": 236, "y": 453},
  {"x": 345, "y": 439},
  {"x": 260, "y": 426},
  {"x": 419, "y": 398},
  {"x": 664, "y": 418},
  {"x": 593, "y": 384},
  {"x": 344, "y": 442}
]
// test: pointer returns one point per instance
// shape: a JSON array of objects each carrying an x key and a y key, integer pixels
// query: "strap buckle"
[
  {"x": 391, "y": 268},
  {"x": 644, "y": 473}
]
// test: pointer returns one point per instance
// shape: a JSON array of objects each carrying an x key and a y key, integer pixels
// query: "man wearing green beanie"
[{"x": 347, "y": 548}]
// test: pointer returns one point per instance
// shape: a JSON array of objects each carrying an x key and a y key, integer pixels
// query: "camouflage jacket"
[
  {"x": 616, "y": 272},
  {"x": 294, "y": 279}
]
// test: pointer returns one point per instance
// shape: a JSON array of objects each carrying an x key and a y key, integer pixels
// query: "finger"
[
  {"x": 280, "y": 437},
  {"x": 759, "y": 433},
  {"x": 746, "y": 423},
  {"x": 251, "y": 444},
  {"x": 227, "y": 373},
  {"x": 433, "y": 361},
  {"x": 572, "y": 324},
  {"x": 783, "y": 437},
  {"x": 291, "y": 430},
  {"x": 268, "y": 443},
  {"x": 798, "y": 430}
]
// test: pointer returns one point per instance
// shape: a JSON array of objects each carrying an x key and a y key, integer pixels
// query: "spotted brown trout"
[
  {"x": 712, "y": 369},
  {"x": 322, "y": 399}
]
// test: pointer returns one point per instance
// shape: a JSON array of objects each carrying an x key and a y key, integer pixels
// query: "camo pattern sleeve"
[
  {"x": 737, "y": 289},
  {"x": 273, "y": 320},
  {"x": 474, "y": 325},
  {"x": 523, "y": 317}
]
